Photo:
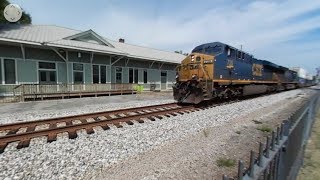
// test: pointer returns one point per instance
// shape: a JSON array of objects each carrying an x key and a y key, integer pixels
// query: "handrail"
[{"x": 17, "y": 86}]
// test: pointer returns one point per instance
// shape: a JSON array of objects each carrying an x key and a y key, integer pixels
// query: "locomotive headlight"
[{"x": 192, "y": 58}]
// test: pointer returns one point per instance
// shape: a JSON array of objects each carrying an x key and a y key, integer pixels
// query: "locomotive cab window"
[
  {"x": 213, "y": 49},
  {"x": 228, "y": 51},
  {"x": 239, "y": 54}
]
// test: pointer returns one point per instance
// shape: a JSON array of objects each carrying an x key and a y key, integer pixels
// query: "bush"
[{"x": 224, "y": 162}]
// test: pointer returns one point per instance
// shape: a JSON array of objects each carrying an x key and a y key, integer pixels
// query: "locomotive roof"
[{"x": 264, "y": 62}]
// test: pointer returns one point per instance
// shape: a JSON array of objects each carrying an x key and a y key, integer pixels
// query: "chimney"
[{"x": 121, "y": 40}]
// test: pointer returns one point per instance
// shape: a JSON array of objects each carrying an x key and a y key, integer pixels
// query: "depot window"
[
  {"x": 47, "y": 73},
  {"x": 78, "y": 73},
  {"x": 99, "y": 74},
  {"x": 9, "y": 67},
  {"x": 145, "y": 76},
  {"x": 118, "y": 75}
]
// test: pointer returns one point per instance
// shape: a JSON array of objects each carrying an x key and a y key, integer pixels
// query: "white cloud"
[{"x": 259, "y": 26}]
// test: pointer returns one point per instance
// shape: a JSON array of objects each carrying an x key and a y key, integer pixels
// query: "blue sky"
[{"x": 286, "y": 32}]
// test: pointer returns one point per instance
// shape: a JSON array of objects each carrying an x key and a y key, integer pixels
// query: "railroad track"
[{"x": 54, "y": 126}]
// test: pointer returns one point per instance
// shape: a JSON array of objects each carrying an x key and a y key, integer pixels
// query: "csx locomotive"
[{"x": 217, "y": 71}]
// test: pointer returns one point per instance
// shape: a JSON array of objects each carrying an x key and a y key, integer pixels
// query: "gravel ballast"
[
  {"x": 91, "y": 156},
  {"x": 28, "y": 111}
]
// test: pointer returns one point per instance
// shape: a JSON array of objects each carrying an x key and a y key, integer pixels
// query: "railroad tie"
[
  {"x": 13, "y": 131},
  {"x": 52, "y": 137},
  {"x": 105, "y": 127},
  {"x": 89, "y": 130},
  {"x": 72, "y": 134},
  {"x": 25, "y": 142},
  {"x": 3, "y": 147},
  {"x": 151, "y": 118},
  {"x": 159, "y": 117}
]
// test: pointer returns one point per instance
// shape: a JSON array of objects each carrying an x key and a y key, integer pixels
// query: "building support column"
[
  {"x": 23, "y": 52},
  {"x": 151, "y": 64}
]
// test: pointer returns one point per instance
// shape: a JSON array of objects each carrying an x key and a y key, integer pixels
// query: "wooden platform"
[{"x": 46, "y": 96}]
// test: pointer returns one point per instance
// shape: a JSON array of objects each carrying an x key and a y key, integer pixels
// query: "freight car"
[{"x": 217, "y": 70}]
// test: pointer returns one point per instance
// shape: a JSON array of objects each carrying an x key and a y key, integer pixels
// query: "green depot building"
[{"x": 44, "y": 60}]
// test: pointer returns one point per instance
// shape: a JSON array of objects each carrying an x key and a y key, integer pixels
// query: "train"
[{"x": 219, "y": 71}]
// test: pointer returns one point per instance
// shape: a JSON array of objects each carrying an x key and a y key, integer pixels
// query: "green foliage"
[
  {"x": 25, "y": 19},
  {"x": 139, "y": 88},
  {"x": 265, "y": 128},
  {"x": 225, "y": 162}
]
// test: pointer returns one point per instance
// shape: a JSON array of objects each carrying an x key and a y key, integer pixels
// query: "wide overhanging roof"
[{"x": 60, "y": 37}]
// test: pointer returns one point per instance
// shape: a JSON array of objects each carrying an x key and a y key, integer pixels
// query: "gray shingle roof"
[{"x": 55, "y": 36}]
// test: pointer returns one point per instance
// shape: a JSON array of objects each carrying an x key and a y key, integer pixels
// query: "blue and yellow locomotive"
[{"x": 217, "y": 70}]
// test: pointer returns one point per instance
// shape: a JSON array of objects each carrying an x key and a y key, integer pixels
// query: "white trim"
[
  {"x": 37, "y": 69},
  {"x": 56, "y": 51},
  {"x": 52, "y": 61},
  {"x": 19, "y": 41},
  {"x": 89, "y": 32},
  {"x": 72, "y": 74},
  {"x": 2, "y": 70},
  {"x": 16, "y": 70},
  {"x": 86, "y": 49},
  {"x": 57, "y": 74},
  {"x": 161, "y": 66},
  {"x": 117, "y": 60},
  {"x": 23, "y": 52},
  {"x": 151, "y": 64},
  {"x": 91, "y": 57},
  {"x": 129, "y": 74},
  {"x": 67, "y": 69},
  {"x": 127, "y": 62}
]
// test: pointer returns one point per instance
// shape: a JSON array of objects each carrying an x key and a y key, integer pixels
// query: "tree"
[
  {"x": 180, "y": 52},
  {"x": 25, "y": 19}
]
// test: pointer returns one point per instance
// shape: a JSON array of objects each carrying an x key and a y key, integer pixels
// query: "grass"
[
  {"x": 311, "y": 166},
  {"x": 225, "y": 162},
  {"x": 265, "y": 128}
]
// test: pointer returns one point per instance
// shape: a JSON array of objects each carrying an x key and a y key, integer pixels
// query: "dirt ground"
[
  {"x": 311, "y": 165},
  {"x": 196, "y": 157}
]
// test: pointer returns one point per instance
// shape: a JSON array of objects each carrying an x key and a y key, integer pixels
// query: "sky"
[{"x": 286, "y": 32}]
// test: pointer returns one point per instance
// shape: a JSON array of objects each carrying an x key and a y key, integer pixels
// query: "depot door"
[{"x": 163, "y": 80}]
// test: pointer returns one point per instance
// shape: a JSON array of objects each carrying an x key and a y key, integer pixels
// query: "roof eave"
[
  {"x": 152, "y": 59},
  {"x": 85, "y": 49}
]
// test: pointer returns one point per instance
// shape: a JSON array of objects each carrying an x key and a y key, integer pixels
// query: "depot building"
[{"x": 46, "y": 54}]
